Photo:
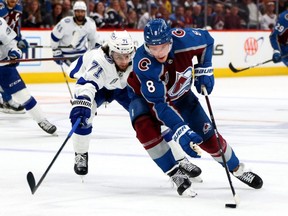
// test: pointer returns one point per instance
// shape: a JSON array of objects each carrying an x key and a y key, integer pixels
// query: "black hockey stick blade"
[
  {"x": 31, "y": 182},
  {"x": 233, "y": 69}
]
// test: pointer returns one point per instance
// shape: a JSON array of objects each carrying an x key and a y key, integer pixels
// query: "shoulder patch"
[
  {"x": 67, "y": 20},
  {"x": 286, "y": 16}
]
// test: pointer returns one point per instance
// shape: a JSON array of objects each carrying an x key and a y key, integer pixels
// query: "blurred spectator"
[
  {"x": 254, "y": 15},
  {"x": 188, "y": 20},
  {"x": 50, "y": 20},
  {"x": 190, "y": 3},
  {"x": 244, "y": 13},
  {"x": 115, "y": 20},
  {"x": 67, "y": 8},
  {"x": 198, "y": 17},
  {"x": 269, "y": 18},
  {"x": 167, "y": 5},
  {"x": 132, "y": 19},
  {"x": 99, "y": 15},
  {"x": 283, "y": 5},
  {"x": 124, "y": 8},
  {"x": 137, "y": 6},
  {"x": 177, "y": 19},
  {"x": 32, "y": 15},
  {"x": 146, "y": 16},
  {"x": 218, "y": 18},
  {"x": 232, "y": 20}
]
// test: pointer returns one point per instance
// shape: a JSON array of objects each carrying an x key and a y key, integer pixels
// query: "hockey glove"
[
  {"x": 188, "y": 140},
  {"x": 203, "y": 76},
  {"x": 15, "y": 54},
  {"x": 23, "y": 45},
  {"x": 81, "y": 108},
  {"x": 57, "y": 53},
  {"x": 276, "y": 56}
]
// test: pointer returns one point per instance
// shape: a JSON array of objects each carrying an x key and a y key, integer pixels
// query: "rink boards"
[{"x": 242, "y": 49}]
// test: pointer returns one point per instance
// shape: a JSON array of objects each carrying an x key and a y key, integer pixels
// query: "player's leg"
[
  {"x": 13, "y": 84},
  {"x": 8, "y": 105},
  {"x": 148, "y": 132},
  {"x": 198, "y": 121}
]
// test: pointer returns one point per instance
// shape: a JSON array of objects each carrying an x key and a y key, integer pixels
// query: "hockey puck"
[{"x": 230, "y": 205}]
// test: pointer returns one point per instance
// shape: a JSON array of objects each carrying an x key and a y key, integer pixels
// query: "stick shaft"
[
  {"x": 218, "y": 140},
  {"x": 36, "y": 59},
  {"x": 31, "y": 177}
]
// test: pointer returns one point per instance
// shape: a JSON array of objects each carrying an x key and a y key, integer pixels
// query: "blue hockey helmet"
[{"x": 157, "y": 32}]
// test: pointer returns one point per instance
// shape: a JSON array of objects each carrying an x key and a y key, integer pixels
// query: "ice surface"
[{"x": 251, "y": 113}]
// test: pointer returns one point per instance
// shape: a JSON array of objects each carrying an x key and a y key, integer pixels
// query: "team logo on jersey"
[
  {"x": 206, "y": 128},
  {"x": 179, "y": 32},
  {"x": 181, "y": 84},
  {"x": 143, "y": 64}
]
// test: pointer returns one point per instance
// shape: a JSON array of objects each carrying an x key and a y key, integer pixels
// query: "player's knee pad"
[
  {"x": 211, "y": 145},
  {"x": 148, "y": 131},
  {"x": 23, "y": 96},
  {"x": 137, "y": 108}
]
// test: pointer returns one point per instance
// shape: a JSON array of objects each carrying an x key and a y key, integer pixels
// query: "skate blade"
[
  {"x": 55, "y": 134},
  {"x": 82, "y": 178},
  {"x": 189, "y": 192},
  {"x": 197, "y": 179}
]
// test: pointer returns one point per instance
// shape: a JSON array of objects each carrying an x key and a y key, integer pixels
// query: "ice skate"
[
  {"x": 11, "y": 107},
  {"x": 47, "y": 127},
  {"x": 81, "y": 164},
  {"x": 248, "y": 177},
  {"x": 191, "y": 170},
  {"x": 182, "y": 182}
]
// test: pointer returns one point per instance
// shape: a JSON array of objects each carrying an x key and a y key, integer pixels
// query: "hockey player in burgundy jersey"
[
  {"x": 279, "y": 39},
  {"x": 162, "y": 74}
]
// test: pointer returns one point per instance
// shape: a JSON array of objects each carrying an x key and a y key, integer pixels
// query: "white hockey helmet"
[
  {"x": 121, "y": 42},
  {"x": 79, "y": 5}
]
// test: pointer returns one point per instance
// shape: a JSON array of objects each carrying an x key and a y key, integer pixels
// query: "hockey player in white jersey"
[
  {"x": 12, "y": 83},
  {"x": 77, "y": 32},
  {"x": 101, "y": 76}
]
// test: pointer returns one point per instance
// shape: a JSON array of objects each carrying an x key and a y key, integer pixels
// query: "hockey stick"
[
  {"x": 235, "y": 70},
  {"x": 235, "y": 196},
  {"x": 35, "y": 59},
  {"x": 66, "y": 80},
  {"x": 59, "y": 47},
  {"x": 30, "y": 177}
]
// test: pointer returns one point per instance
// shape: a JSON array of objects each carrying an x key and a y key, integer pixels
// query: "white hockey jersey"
[
  {"x": 95, "y": 70},
  {"x": 80, "y": 37},
  {"x": 7, "y": 41}
]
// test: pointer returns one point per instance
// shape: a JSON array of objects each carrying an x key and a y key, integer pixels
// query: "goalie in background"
[
  {"x": 12, "y": 83},
  {"x": 279, "y": 39}
]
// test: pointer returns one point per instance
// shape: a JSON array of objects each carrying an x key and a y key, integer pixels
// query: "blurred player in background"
[
  {"x": 74, "y": 32},
  {"x": 11, "y": 11},
  {"x": 12, "y": 83},
  {"x": 279, "y": 39}
]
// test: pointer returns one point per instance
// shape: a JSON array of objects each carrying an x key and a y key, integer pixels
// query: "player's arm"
[
  {"x": 93, "y": 36},
  {"x": 203, "y": 71},
  {"x": 278, "y": 29}
]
